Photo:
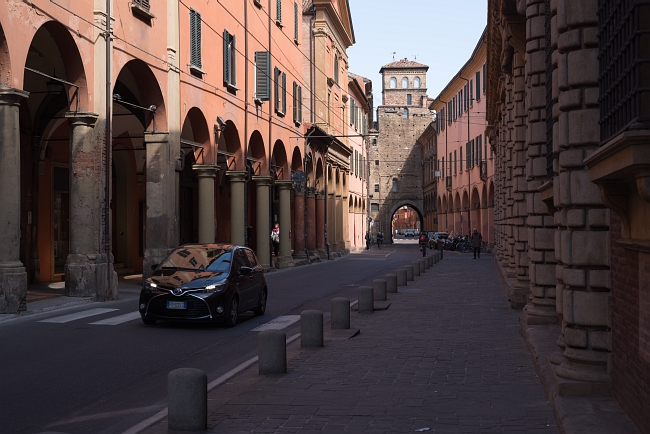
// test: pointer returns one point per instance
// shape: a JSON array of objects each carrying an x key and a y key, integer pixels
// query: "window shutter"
[
  {"x": 284, "y": 93},
  {"x": 295, "y": 102},
  {"x": 263, "y": 75},
  {"x": 478, "y": 85},
  {"x": 233, "y": 61},
  {"x": 295, "y": 21},
  {"x": 479, "y": 148},
  {"x": 299, "y": 104},
  {"x": 144, "y": 4},
  {"x": 484, "y": 79},
  {"x": 278, "y": 10},
  {"x": 195, "y": 39},
  {"x": 226, "y": 57},
  {"x": 276, "y": 84},
  {"x": 471, "y": 93}
]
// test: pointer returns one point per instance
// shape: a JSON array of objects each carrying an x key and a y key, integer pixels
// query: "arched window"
[
  {"x": 416, "y": 82},
  {"x": 405, "y": 83},
  {"x": 393, "y": 83}
]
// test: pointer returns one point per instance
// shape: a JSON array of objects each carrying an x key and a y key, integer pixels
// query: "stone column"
[
  {"x": 13, "y": 277},
  {"x": 207, "y": 174},
  {"x": 237, "y": 227},
  {"x": 331, "y": 221},
  {"x": 310, "y": 204},
  {"x": 346, "y": 224},
  {"x": 338, "y": 215},
  {"x": 299, "y": 224},
  {"x": 541, "y": 228},
  {"x": 88, "y": 267},
  {"x": 263, "y": 184},
  {"x": 582, "y": 242},
  {"x": 284, "y": 259},
  {"x": 162, "y": 220},
  {"x": 320, "y": 224}
]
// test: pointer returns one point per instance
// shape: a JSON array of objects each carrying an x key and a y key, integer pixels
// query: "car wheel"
[
  {"x": 259, "y": 310},
  {"x": 233, "y": 313},
  {"x": 148, "y": 321}
]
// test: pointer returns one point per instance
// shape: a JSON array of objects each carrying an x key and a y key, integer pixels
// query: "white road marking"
[
  {"x": 278, "y": 323},
  {"x": 78, "y": 315},
  {"x": 118, "y": 319}
]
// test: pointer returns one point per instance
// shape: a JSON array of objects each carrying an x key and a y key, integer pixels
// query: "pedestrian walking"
[
  {"x": 368, "y": 240},
  {"x": 380, "y": 240},
  {"x": 275, "y": 239},
  {"x": 423, "y": 241},
  {"x": 476, "y": 241}
]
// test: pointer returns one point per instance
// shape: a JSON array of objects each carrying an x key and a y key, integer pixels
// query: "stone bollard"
[
  {"x": 436, "y": 258},
  {"x": 416, "y": 268},
  {"x": 366, "y": 302},
  {"x": 272, "y": 352},
  {"x": 432, "y": 261},
  {"x": 401, "y": 276},
  {"x": 311, "y": 328},
  {"x": 187, "y": 400},
  {"x": 422, "y": 265},
  {"x": 379, "y": 290},
  {"x": 427, "y": 262},
  {"x": 409, "y": 272},
  {"x": 391, "y": 282},
  {"x": 340, "y": 313}
]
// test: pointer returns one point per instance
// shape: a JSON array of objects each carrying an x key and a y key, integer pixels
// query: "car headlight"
[
  {"x": 215, "y": 288},
  {"x": 150, "y": 285}
]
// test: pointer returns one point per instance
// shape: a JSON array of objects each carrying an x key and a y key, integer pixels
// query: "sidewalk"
[{"x": 447, "y": 355}]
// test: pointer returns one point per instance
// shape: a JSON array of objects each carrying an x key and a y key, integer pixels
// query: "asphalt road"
[{"x": 77, "y": 377}]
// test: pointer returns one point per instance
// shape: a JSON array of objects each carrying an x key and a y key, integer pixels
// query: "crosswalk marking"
[
  {"x": 278, "y": 323},
  {"x": 118, "y": 319},
  {"x": 79, "y": 315}
]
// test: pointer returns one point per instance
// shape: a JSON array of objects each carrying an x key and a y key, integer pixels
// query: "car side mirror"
[
  {"x": 246, "y": 271},
  {"x": 154, "y": 266}
]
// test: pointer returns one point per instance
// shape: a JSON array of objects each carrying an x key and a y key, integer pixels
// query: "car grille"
[{"x": 196, "y": 308}]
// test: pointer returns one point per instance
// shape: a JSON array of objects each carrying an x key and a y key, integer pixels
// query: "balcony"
[
  {"x": 484, "y": 171},
  {"x": 448, "y": 182}
]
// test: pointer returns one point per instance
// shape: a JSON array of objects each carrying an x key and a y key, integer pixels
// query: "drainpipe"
[
  {"x": 312, "y": 42},
  {"x": 109, "y": 142},
  {"x": 327, "y": 198},
  {"x": 247, "y": 242}
]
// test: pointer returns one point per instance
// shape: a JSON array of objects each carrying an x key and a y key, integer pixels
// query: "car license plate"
[{"x": 176, "y": 305}]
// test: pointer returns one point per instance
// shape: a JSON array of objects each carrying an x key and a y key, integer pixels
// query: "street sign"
[{"x": 298, "y": 177}]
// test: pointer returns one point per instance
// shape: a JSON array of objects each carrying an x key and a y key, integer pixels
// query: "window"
[
  {"x": 449, "y": 110},
  {"x": 376, "y": 188},
  {"x": 460, "y": 163},
  {"x": 471, "y": 93},
  {"x": 229, "y": 50},
  {"x": 295, "y": 22},
  {"x": 479, "y": 150},
  {"x": 466, "y": 107},
  {"x": 478, "y": 85},
  {"x": 297, "y": 104},
  {"x": 405, "y": 83},
  {"x": 280, "y": 81},
  {"x": 408, "y": 99},
  {"x": 374, "y": 207},
  {"x": 353, "y": 108},
  {"x": 195, "y": 39},
  {"x": 406, "y": 113},
  {"x": 263, "y": 75},
  {"x": 416, "y": 82},
  {"x": 453, "y": 106},
  {"x": 394, "y": 189},
  {"x": 376, "y": 162},
  {"x": 484, "y": 79},
  {"x": 336, "y": 69},
  {"x": 472, "y": 154},
  {"x": 393, "y": 83},
  {"x": 278, "y": 11},
  {"x": 455, "y": 160},
  {"x": 443, "y": 167}
]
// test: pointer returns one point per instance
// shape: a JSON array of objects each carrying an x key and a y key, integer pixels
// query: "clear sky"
[{"x": 439, "y": 33}]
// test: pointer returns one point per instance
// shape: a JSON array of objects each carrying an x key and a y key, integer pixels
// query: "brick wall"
[{"x": 630, "y": 343}]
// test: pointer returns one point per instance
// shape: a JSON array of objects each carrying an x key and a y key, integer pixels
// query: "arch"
[
  {"x": 475, "y": 201},
  {"x": 484, "y": 201},
  {"x": 405, "y": 82},
  {"x": 416, "y": 82},
  {"x": 457, "y": 205},
  {"x": 444, "y": 204},
  {"x": 230, "y": 148},
  {"x": 137, "y": 85},
  {"x": 410, "y": 204},
  {"x": 279, "y": 163},
  {"x": 296, "y": 160},
  {"x": 319, "y": 182},
  {"x": 465, "y": 202},
  {"x": 5, "y": 61},
  {"x": 441, "y": 207},
  {"x": 491, "y": 194},
  {"x": 195, "y": 130},
  {"x": 54, "y": 52},
  {"x": 392, "y": 83},
  {"x": 257, "y": 153}
]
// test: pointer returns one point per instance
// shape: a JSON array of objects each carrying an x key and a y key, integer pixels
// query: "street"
[{"x": 98, "y": 369}]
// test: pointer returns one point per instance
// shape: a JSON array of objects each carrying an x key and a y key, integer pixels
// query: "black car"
[{"x": 204, "y": 282}]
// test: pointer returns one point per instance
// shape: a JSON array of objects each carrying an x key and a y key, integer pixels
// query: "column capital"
[
  {"x": 262, "y": 180},
  {"x": 284, "y": 184},
  {"x": 82, "y": 118},
  {"x": 12, "y": 96},
  {"x": 156, "y": 136},
  {"x": 320, "y": 194},
  {"x": 300, "y": 192},
  {"x": 206, "y": 170},
  {"x": 310, "y": 192},
  {"x": 236, "y": 175}
]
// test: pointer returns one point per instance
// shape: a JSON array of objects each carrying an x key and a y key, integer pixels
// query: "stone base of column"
[
  {"x": 322, "y": 253},
  {"x": 536, "y": 315},
  {"x": 88, "y": 276},
  {"x": 13, "y": 288},
  {"x": 152, "y": 257},
  {"x": 299, "y": 254},
  {"x": 572, "y": 387},
  {"x": 284, "y": 262}
]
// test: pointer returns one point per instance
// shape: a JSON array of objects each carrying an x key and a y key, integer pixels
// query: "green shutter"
[
  {"x": 278, "y": 11},
  {"x": 263, "y": 75},
  {"x": 276, "y": 84},
  {"x": 295, "y": 102},
  {"x": 299, "y": 104},
  {"x": 295, "y": 21},
  {"x": 226, "y": 57},
  {"x": 284, "y": 93},
  {"x": 195, "y": 39},
  {"x": 478, "y": 85}
]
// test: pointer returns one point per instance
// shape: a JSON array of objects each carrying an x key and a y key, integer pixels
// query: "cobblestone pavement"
[{"x": 446, "y": 355}]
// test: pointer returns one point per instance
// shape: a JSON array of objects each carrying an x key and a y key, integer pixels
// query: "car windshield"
[{"x": 199, "y": 259}]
